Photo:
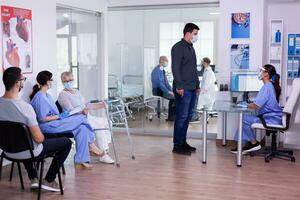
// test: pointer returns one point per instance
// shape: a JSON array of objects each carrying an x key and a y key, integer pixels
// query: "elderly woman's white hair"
[{"x": 64, "y": 74}]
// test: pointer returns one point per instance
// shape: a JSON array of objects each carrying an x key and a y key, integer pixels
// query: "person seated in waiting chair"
[
  {"x": 161, "y": 86},
  {"x": 51, "y": 121},
  {"x": 266, "y": 102},
  {"x": 70, "y": 99},
  {"x": 14, "y": 109}
]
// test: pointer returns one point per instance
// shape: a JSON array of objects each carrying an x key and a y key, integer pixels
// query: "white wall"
[
  {"x": 44, "y": 37},
  {"x": 227, "y": 7},
  {"x": 290, "y": 15}
]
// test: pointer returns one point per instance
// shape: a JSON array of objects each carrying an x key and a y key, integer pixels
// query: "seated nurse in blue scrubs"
[
  {"x": 266, "y": 102},
  {"x": 51, "y": 121}
]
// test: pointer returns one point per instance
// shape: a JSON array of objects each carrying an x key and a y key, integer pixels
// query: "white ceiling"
[{"x": 116, "y": 3}]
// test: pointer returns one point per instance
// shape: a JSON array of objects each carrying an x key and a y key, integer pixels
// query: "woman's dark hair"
[
  {"x": 10, "y": 77},
  {"x": 206, "y": 60},
  {"x": 275, "y": 78},
  {"x": 189, "y": 27},
  {"x": 42, "y": 78}
]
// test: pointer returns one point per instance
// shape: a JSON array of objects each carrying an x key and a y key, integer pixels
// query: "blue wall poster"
[
  {"x": 240, "y": 25},
  {"x": 239, "y": 56}
]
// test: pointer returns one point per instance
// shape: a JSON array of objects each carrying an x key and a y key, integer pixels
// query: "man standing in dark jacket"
[{"x": 185, "y": 86}]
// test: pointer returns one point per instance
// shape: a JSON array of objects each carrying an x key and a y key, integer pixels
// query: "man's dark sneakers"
[
  {"x": 181, "y": 149},
  {"x": 192, "y": 149}
]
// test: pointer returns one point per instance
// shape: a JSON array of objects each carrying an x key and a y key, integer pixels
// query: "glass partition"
[
  {"x": 78, "y": 49},
  {"x": 136, "y": 40}
]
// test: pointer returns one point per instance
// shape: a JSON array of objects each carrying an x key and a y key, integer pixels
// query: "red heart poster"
[{"x": 16, "y": 38}]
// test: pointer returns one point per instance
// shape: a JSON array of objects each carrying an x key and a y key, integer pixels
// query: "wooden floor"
[
  {"x": 141, "y": 122},
  {"x": 157, "y": 174}
]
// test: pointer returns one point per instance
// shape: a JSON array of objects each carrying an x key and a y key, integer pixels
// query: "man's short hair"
[
  {"x": 10, "y": 77},
  {"x": 64, "y": 74},
  {"x": 189, "y": 27},
  {"x": 206, "y": 60}
]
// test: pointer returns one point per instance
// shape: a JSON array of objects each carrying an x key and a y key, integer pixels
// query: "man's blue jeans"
[{"x": 184, "y": 110}]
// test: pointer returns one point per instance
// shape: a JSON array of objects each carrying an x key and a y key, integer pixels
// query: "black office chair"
[
  {"x": 58, "y": 107},
  {"x": 15, "y": 137}
]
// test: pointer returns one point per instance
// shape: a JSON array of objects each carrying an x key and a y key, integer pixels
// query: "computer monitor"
[{"x": 245, "y": 82}]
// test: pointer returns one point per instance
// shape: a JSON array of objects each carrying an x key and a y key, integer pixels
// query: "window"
[{"x": 171, "y": 32}]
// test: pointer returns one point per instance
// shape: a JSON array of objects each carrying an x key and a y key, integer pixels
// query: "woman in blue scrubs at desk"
[
  {"x": 51, "y": 121},
  {"x": 266, "y": 102}
]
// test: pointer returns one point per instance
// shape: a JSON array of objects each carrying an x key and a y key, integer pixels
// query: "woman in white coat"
[
  {"x": 208, "y": 86},
  {"x": 70, "y": 99}
]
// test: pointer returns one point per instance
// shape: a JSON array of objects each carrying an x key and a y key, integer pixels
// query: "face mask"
[
  {"x": 195, "y": 38},
  {"x": 260, "y": 75},
  {"x": 165, "y": 64},
  {"x": 20, "y": 88},
  {"x": 68, "y": 85},
  {"x": 50, "y": 85}
]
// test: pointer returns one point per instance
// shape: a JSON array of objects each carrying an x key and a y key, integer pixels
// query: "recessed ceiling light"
[{"x": 214, "y": 13}]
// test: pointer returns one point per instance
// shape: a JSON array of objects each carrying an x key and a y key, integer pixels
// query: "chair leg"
[
  {"x": 40, "y": 179},
  {"x": 37, "y": 165},
  {"x": 63, "y": 169},
  {"x": 59, "y": 177},
  {"x": 20, "y": 175},
  {"x": 11, "y": 171},
  {"x": 1, "y": 163}
]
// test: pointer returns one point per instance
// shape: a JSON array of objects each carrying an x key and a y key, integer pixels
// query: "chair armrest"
[{"x": 270, "y": 127}]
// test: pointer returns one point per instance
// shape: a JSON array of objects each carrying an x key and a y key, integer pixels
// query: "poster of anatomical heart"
[{"x": 16, "y": 38}]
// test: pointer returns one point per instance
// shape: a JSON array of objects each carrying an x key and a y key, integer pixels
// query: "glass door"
[{"x": 78, "y": 49}]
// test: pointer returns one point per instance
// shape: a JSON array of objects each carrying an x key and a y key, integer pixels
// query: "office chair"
[
  {"x": 155, "y": 109},
  {"x": 9, "y": 144},
  {"x": 273, "y": 130}
]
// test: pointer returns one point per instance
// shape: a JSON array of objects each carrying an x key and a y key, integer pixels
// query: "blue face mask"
[
  {"x": 195, "y": 38},
  {"x": 68, "y": 85}
]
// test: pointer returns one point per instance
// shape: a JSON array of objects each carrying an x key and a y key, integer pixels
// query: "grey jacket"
[{"x": 184, "y": 66}]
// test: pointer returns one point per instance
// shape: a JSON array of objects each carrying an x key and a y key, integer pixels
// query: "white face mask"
[
  {"x": 50, "y": 85},
  {"x": 260, "y": 75},
  {"x": 195, "y": 38},
  {"x": 165, "y": 64}
]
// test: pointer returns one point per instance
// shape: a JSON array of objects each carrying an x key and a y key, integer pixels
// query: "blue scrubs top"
[
  {"x": 44, "y": 106},
  {"x": 268, "y": 105}
]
